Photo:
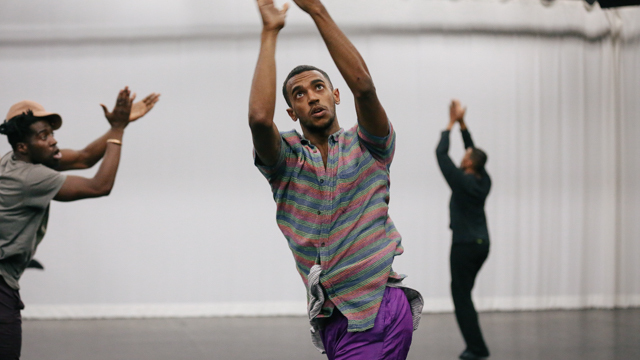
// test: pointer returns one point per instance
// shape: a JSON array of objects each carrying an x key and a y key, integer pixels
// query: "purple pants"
[{"x": 389, "y": 339}]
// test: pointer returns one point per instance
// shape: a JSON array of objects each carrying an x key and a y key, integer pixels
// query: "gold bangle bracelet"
[{"x": 115, "y": 141}]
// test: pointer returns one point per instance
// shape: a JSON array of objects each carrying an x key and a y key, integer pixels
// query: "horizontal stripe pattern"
[{"x": 338, "y": 217}]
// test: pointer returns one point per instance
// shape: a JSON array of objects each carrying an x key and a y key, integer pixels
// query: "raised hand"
[
  {"x": 119, "y": 118},
  {"x": 456, "y": 111},
  {"x": 272, "y": 17},
  {"x": 141, "y": 108}
]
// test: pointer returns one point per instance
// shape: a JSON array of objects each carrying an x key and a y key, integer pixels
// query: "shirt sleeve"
[
  {"x": 466, "y": 138},
  {"x": 41, "y": 186},
  {"x": 454, "y": 175},
  {"x": 270, "y": 172},
  {"x": 382, "y": 148}
]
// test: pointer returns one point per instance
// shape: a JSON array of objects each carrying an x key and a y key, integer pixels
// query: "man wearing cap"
[
  {"x": 331, "y": 188},
  {"x": 30, "y": 179}
]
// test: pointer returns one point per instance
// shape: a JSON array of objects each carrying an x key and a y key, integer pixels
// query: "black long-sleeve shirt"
[{"x": 468, "y": 194}]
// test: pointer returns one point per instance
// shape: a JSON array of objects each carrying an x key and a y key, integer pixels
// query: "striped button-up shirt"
[{"x": 338, "y": 217}]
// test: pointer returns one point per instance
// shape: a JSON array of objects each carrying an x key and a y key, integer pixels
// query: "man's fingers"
[
  {"x": 106, "y": 112},
  {"x": 263, "y": 3},
  {"x": 151, "y": 99},
  {"x": 122, "y": 97},
  {"x": 285, "y": 7}
]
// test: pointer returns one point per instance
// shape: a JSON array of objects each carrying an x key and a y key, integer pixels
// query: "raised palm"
[
  {"x": 456, "y": 111},
  {"x": 272, "y": 17},
  {"x": 141, "y": 108},
  {"x": 120, "y": 116}
]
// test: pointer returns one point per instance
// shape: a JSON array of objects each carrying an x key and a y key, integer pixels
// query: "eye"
[
  {"x": 45, "y": 135},
  {"x": 298, "y": 94},
  {"x": 319, "y": 87}
]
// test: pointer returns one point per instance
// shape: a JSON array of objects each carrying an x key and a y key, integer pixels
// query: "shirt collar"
[{"x": 333, "y": 136}]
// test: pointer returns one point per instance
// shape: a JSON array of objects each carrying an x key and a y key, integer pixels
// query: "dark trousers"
[
  {"x": 466, "y": 260},
  {"x": 10, "y": 322}
]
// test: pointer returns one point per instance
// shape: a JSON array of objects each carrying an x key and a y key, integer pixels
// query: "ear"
[
  {"x": 22, "y": 148},
  {"x": 292, "y": 114},
  {"x": 336, "y": 96}
]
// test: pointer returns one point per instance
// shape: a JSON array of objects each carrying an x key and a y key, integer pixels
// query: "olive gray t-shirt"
[{"x": 25, "y": 193}]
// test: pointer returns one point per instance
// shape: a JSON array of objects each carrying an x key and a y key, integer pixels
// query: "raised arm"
[
  {"x": 92, "y": 153},
  {"x": 371, "y": 114},
  {"x": 450, "y": 171},
  {"x": 262, "y": 101},
  {"x": 76, "y": 187},
  {"x": 456, "y": 114},
  {"x": 453, "y": 174}
]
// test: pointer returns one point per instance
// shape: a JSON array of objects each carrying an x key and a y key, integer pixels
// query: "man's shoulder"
[
  {"x": 351, "y": 132},
  {"x": 13, "y": 175},
  {"x": 12, "y": 168},
  {"x": 5, "y": 158},
  {"x": 25, "y": 172},
  {"x": 291, "y": 136}
]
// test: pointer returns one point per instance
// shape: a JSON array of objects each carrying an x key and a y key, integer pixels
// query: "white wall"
[{"x": 190, "y": 226}]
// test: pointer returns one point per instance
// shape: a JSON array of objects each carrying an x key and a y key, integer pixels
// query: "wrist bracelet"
[{"x": 115, "y": 141}]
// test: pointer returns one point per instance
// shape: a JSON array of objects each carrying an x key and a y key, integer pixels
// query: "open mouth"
[
  {"x": 318, "y": 111},
  {"x": 57, "y": 155}
]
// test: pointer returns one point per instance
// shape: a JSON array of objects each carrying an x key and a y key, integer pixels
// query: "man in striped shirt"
[{"x": 331, "y": 188}]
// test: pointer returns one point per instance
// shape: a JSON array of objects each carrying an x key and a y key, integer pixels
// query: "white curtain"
[
  {"x": 628, "y": 284},
  {"x": 189, "y": 229}
]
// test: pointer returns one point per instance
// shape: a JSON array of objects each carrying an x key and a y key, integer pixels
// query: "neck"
[
  {"x": 472, "y": 172},
  {"x": 320, "y": 138},
  {"x": 21, "y": 157}
]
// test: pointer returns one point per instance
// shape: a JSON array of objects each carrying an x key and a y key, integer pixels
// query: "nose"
[{"x": 53, "y": 141}]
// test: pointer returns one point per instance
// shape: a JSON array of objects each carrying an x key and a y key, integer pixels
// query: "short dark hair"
[
  {"x": 478, "y": 159},
  {"x": 18, "y": 128},
  {"x": 297, "y": 70}
]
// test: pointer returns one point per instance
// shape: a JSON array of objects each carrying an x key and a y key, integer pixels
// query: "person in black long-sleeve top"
[{"x": 470, "y": 184}]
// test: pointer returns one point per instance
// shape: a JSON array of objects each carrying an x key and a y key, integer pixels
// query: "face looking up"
[{"x": 313, "y": 102}]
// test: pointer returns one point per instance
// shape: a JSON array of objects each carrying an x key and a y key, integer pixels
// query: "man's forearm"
[
  {"x": 371, "y": 114},
  {"x": 348, "y": 60},
  {"x": 443, "y": 145},
  {"x": 76, "y": 187},
  {"x": 262, "y": 100},
  {"x": 442, "y": 154},
  {"x": 106, "y": 175},
  {"x": 466, "y": 138},
  {"x": 90, "y": 155},
  {"x": 463, "y": 125},
  {"x": 93, "y": 152}
]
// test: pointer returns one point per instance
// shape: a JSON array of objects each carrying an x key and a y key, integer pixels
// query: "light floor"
[{"x": 544, "y": 335}]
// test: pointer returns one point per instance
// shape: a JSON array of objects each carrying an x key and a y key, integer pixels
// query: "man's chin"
[
  {"x": 319, "y": 125},
  {"x": 52, "y": 164}
]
